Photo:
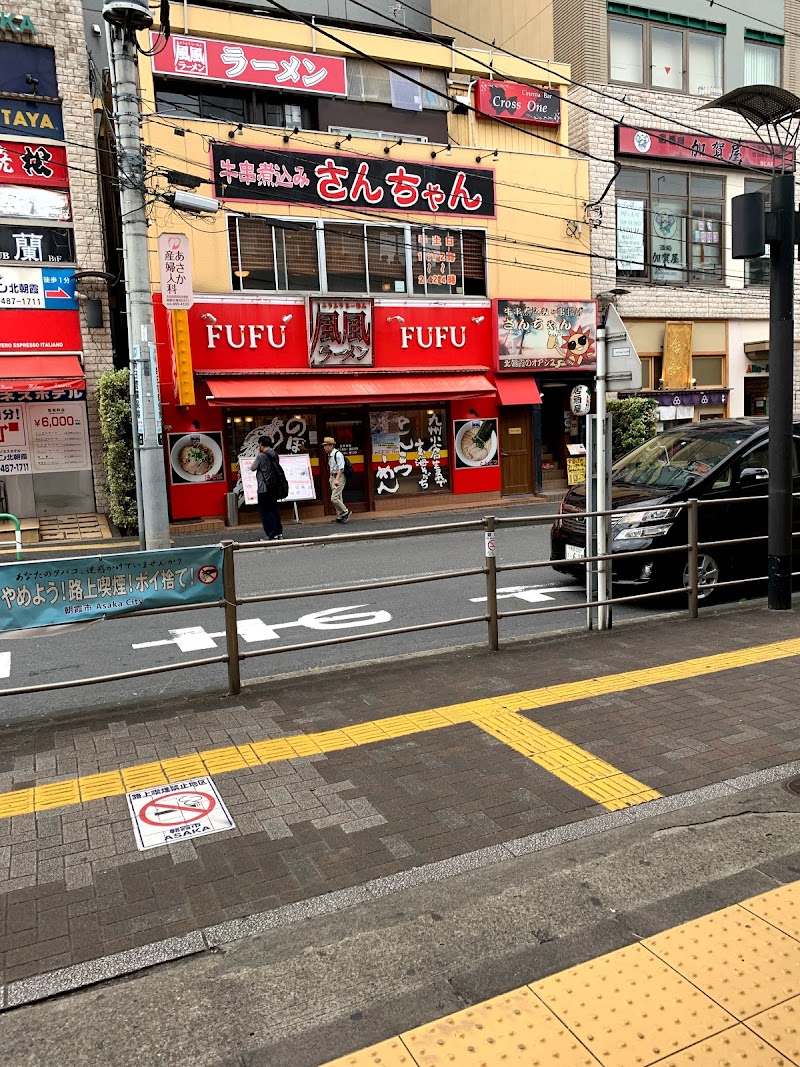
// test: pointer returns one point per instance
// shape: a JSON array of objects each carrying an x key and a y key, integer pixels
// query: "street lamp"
[{"x": 769, "y": 110}]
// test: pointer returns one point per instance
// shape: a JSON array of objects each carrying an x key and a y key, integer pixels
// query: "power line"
[{"x": 540, "y": 66}]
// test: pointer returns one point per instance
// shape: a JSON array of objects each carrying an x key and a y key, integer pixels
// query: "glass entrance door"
[{"x": 349, "y": 430}]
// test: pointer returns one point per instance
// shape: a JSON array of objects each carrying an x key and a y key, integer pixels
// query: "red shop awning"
[
  {"x": 24, "y": 374},
  {"x": 346, "y": 389},
  {"x": 522, "y": 390}
]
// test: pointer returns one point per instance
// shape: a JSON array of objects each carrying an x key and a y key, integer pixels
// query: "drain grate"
[{"x": 793, "y": 785}]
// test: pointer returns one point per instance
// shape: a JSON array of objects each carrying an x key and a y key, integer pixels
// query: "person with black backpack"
[
  {"x": 340, "y": 469},
  {"x": 272, "y": 487}
]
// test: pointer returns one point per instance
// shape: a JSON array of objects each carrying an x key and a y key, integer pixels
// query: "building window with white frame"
[{"x": 287, "y": 255}]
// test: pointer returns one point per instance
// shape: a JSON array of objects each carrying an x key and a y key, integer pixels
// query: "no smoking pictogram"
[
  {"x": 166, "y": 814},
  {"x": 208, "y": 574},
  {"x": 177, "y": 809}
]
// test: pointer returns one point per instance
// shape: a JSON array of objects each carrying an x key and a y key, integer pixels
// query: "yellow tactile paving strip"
[
  {"x": 497, "y": 716},
  {"x": 693, "y": 996}
]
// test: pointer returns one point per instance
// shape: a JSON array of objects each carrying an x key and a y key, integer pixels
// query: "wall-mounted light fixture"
[
  {"x": 389, "y": 147},
  {"x": 208, "y": 317},
  {"x": 486, "y": 156}
]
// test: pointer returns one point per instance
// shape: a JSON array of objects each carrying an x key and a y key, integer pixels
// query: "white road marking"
[
  {"x": 5, "y": 664},
  {"x": 195, "y": 638},
  {"x": 532, "y": 594}
]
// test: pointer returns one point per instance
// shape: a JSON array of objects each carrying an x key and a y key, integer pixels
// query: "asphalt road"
[{"x": 137, "y": 643}]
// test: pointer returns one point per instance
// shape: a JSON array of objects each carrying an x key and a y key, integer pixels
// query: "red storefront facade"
[{"x": 407, "y": 387}]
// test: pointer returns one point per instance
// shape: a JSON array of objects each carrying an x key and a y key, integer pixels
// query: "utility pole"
[
  {"x": 603, "y": 449},
  {"x": 774, "y": 110},
  {"x": 125, "y": 18}
]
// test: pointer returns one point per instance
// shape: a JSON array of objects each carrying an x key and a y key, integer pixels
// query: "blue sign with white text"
[
  {"x": 57, "y": 591},
  {"x": 59, "y": 290}
]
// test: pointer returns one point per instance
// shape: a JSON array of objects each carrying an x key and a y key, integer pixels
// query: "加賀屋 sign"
[
  {"x": 267, "y": 176},
  {"x": 677, "y": 146},
  {"x": 86, "y": 588}
]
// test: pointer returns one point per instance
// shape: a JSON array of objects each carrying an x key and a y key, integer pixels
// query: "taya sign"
[
  {"x": 26, "y": 243},
  {"x": 30, "y": 163},
  {"x": 686, "y": 147},
  {"x": 546, "y": 334},
  {"x": 53, "y": 592},
  {"x": 21, "y": 120},
  {"x": 11, "y": 22},
  {"x": 247, "y": 64},
  {"x": 515, "y": 102},
  {"x": 274, "y": 176}
]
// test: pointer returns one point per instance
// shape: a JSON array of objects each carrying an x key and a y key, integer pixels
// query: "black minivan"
[{"x": 707, "y": 460}]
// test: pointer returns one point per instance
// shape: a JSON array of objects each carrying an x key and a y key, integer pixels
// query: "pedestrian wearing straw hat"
[{"x": 338, "y": 478}]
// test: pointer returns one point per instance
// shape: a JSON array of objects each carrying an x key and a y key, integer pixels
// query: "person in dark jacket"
[{"x": 264, "y": 465}]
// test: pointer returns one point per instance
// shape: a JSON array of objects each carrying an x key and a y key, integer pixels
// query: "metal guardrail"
[{"x": 232, "y": 601}]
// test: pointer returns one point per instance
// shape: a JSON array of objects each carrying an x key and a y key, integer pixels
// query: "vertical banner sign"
[
  {"x": 174, "y": 256},
  {"x": 89, "y": 588}
]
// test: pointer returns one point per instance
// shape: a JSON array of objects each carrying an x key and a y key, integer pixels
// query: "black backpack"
[
  {"x": 281, "y": 484},
  {"x": 348, "y": 466}
]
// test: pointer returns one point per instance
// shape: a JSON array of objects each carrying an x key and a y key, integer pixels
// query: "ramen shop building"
[{"x": 357, "y": 280}]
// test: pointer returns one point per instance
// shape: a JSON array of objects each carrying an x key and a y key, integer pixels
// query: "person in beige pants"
[{"x": 337, "y": 479}]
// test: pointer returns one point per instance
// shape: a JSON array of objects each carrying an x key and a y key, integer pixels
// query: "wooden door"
[{"x": 516, "y": 450}]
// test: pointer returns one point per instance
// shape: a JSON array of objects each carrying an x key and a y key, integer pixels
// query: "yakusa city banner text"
[{"x": 274, "y": 176}]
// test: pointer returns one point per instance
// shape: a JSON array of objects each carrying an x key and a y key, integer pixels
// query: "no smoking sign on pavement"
[{"x": 169, "y": 813}]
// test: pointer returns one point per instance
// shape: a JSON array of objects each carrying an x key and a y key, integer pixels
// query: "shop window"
[
  {"x": 708, "y": 370},
  {"x": 291, "y": 433},
  {"x": 359, "y": 258},
  {"x": 345, "y": 258},
  {"x": 644, "y": 51},
  {"x": 756, "y": 271},
  {"x": 670, "y": 227},
  {"x": 218, "y": 103},
  {"x": 273, "y": 256},
  {"x": 369, "y": 83},
  {"x": 409, "y": 451}
]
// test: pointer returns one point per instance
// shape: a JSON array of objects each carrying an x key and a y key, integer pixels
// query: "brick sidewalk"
[{"x": 75, "y": 887}]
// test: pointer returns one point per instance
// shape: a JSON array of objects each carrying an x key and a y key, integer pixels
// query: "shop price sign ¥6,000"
[{"x": 165, "y": 814}]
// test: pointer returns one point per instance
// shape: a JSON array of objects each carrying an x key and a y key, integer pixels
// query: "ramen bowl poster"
[
  {"x": 534, "y": 335},
  {"x": 195, "y": 458},
  {"x": 475, "y": 443}
]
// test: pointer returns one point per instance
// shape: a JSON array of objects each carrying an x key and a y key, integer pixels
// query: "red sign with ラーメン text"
[
  {"x": 250, "y": 64},
  {"x": 673, "y": 145}
]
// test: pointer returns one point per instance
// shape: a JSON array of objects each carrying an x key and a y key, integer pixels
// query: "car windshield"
[{"x": 676, "y": 458}]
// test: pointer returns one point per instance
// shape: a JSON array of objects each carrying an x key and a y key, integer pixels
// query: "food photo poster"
[
  {"x": 196, "y": 457},
  {"x": 476, "y": 443}
]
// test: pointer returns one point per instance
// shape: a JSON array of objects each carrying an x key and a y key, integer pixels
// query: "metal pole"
[
  {"x": 591, "y": 523},
  {"x": 138, "y": 436},
  {"x": 491, "y": 585},
  {"x": 231, "y": 617},
  {"x": 602, "y": 447},
  {"x": 127, "y": 123},
  {"x": 694, "y": 537},
  {"x": 781, "y": 356}
]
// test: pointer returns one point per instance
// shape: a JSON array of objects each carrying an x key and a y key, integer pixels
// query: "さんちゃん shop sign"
[
  {"x": 515, "y": 102},
  {"x": 250, "y": 64},
  {"x": 268, "y": 176}
]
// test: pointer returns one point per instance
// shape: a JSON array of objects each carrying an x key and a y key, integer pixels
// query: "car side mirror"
[{"x": 751, "y": 476}]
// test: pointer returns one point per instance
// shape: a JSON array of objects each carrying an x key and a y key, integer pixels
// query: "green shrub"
[
  {"x": 633, "y": 421},
  {"x": 117, "y": 434}
]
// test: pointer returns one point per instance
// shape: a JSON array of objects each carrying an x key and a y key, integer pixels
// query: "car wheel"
[{"x": 707, "y": 576}]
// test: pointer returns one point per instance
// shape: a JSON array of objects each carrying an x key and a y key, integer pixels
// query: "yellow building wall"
[
  {"x": 540, "y": 190},
  {"x": 524, "y": 27}
]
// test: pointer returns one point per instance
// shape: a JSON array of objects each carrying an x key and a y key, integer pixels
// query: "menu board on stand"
[{"x": 297, "y": 469}]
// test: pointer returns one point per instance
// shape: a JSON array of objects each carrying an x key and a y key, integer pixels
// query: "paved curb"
[{"x": 106, "y": 968}]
